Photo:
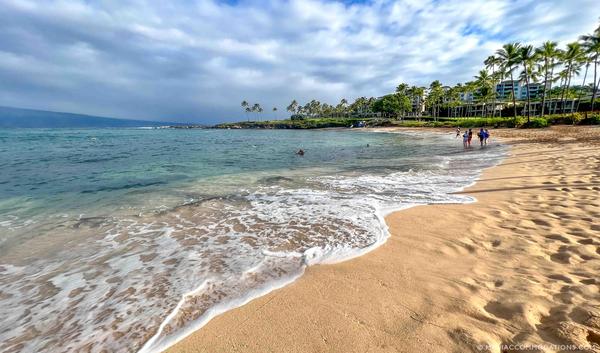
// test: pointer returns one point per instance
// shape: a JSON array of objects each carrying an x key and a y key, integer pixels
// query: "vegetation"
[
  {"x": 493, "y": 122},
  {"x": 554, "y": 69}
]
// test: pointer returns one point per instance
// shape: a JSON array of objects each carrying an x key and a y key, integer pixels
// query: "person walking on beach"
[
  {"x": 481, "y": 135},
  {"x": 486, "y": 135},
  {"x": 458, "y": 132},
  {"x": 465, "y": 139},
  {"x": 470, "y": 137}
]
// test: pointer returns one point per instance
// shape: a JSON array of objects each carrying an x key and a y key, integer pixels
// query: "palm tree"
[
  {"x": 587, "y": 62},
  {"x": 275, "y": 112},
  {"x": 509, "y": 56},
  {"x": 572, "y": 59},
  {"x": 532, "y": 74},
  {"x": 342, "y": 106},
  {"x": 452, "y": 98},
  {"x": 527, "y": 57},
  {"x": 469, "y": 87},
  {"x": 561, "y": 77},
  {"x": 548, "y": 53},
  {"x": 458, "y": 89},
  {"x": 492, "y": 62},
  {"x": 402, "y": 88},
  {"x": 259, "y": 110},
  {"x": 557, "y": 78},
  {"x": 245, "y": 106},
  {"x": 256, "y": 108},
  {"x": 435, "y": 94},
  {"x": 591, "y": 43},
  {"x": 416, "y": 95},
  {"x": 292, "y": 107},
  {"x": 483, "y": 83}
]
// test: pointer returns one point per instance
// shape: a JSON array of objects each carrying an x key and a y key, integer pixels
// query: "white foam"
[
  {"x": 330, "y": 254},
  {"x": 156, "y": 345}
]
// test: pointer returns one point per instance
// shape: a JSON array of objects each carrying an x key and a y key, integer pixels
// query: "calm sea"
[{"x": 126, "y": 240}]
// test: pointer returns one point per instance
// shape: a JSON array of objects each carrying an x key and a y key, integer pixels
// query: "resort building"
[
  {"x": 418, "y": 104},
  {"x": 467, "y": 97},
  {"x": 504, "y": 89},
  {"x": 535, "y": 91}
]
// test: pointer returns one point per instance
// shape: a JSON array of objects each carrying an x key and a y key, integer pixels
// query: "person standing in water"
[
  {"x": 486, "y": 135},
  {"x": 481, "y": 135},
  {"x": 465, "y": 139},
  {"x": 458, "y": 132},
  {"x": 470, "y": 137}
]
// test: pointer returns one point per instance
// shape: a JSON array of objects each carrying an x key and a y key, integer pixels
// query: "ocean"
[{"x": 126, "y": 240}]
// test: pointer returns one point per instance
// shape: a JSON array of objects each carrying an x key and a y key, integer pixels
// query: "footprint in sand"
[
  {"x": 561, "y": 278},
  {"x": 559, "y": 238}
]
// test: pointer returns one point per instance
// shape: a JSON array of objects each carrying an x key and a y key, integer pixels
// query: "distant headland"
[{"x": 11, "y": 117}]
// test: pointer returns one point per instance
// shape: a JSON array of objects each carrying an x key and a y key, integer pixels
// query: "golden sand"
[{"x": 519, "y": 267}]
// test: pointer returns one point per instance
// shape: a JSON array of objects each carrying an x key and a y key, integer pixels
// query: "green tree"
[
  {"x": 452, "y": 99},
  {"x": 246, "y": 108},
  {"x": 415, "y": 95},
  {"x": 293, "y": 107},
  {"x": 342, "y": 106},
  {"x": 573, "y": 57},
  {"x": 395, "y": 103},
  {"x": 591, "y": 44},
  {"x": 434, "y": 97},
  {"x": 509, "y": 56},
  {"x": 492, "y": 62},
  {"x": 548, "y": 52},
  {"x": 256, "y": 108},
  {"x": 527, "y": 58},
  {"x": 402, "y": 88},
  {"x": 484, "y": 86}
]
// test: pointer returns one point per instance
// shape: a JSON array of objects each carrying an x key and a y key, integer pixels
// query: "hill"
[{"x": 29, "y": 118}]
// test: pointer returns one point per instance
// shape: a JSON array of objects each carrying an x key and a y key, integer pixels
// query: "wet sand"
[{"x": 518, "y": 267}]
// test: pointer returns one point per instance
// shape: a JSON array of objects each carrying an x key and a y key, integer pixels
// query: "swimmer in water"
[{"x": 300, "y": 152}]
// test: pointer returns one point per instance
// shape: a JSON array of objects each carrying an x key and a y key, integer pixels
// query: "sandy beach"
[{"x": 519, "y": 268}]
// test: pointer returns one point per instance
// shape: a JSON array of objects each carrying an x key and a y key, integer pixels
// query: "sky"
[{"x": 196, "y": 60}]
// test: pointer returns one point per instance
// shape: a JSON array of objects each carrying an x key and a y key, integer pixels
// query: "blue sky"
[{"x": 196, "y": 60}]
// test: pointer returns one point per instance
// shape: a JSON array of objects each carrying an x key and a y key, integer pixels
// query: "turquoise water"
[
  {"x": 70, "y": 171},
  {"x": 135, "y": 237}
]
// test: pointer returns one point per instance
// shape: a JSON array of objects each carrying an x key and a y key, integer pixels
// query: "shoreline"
[
  {"x": 281, "y": 313},
  {"x": 381, "y": 214}
]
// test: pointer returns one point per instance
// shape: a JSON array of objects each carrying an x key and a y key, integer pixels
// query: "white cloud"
[{"x": 196, "y": 60}]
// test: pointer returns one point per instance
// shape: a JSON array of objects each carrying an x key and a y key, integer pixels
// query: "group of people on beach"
[{"x": 483, "y": 135}]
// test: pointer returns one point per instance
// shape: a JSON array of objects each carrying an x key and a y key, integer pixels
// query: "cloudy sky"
[{"x": 196, "y": 60}]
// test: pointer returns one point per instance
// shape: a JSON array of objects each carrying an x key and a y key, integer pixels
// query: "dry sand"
[{"x": 520, "y": 266}]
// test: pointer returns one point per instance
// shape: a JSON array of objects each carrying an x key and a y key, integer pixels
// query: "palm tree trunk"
[
  {"x": 563, "y": 83},
  {"x": 566, "y": 91},
  {"x": 545, "y": 86},
  {"x": 552, "y": 104},
  {"x": 513, "y": 96},
  {"x": 494, "y": 92},
  {"x": 594, "y": 84},
  {"x": 582, "y": 86},
  {"x": 528, "y": 97}
]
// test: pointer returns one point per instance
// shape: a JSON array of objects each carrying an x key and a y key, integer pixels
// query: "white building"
[
  {"x": 504, "y": 91},
  {"x": 467, "y": 97}
]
